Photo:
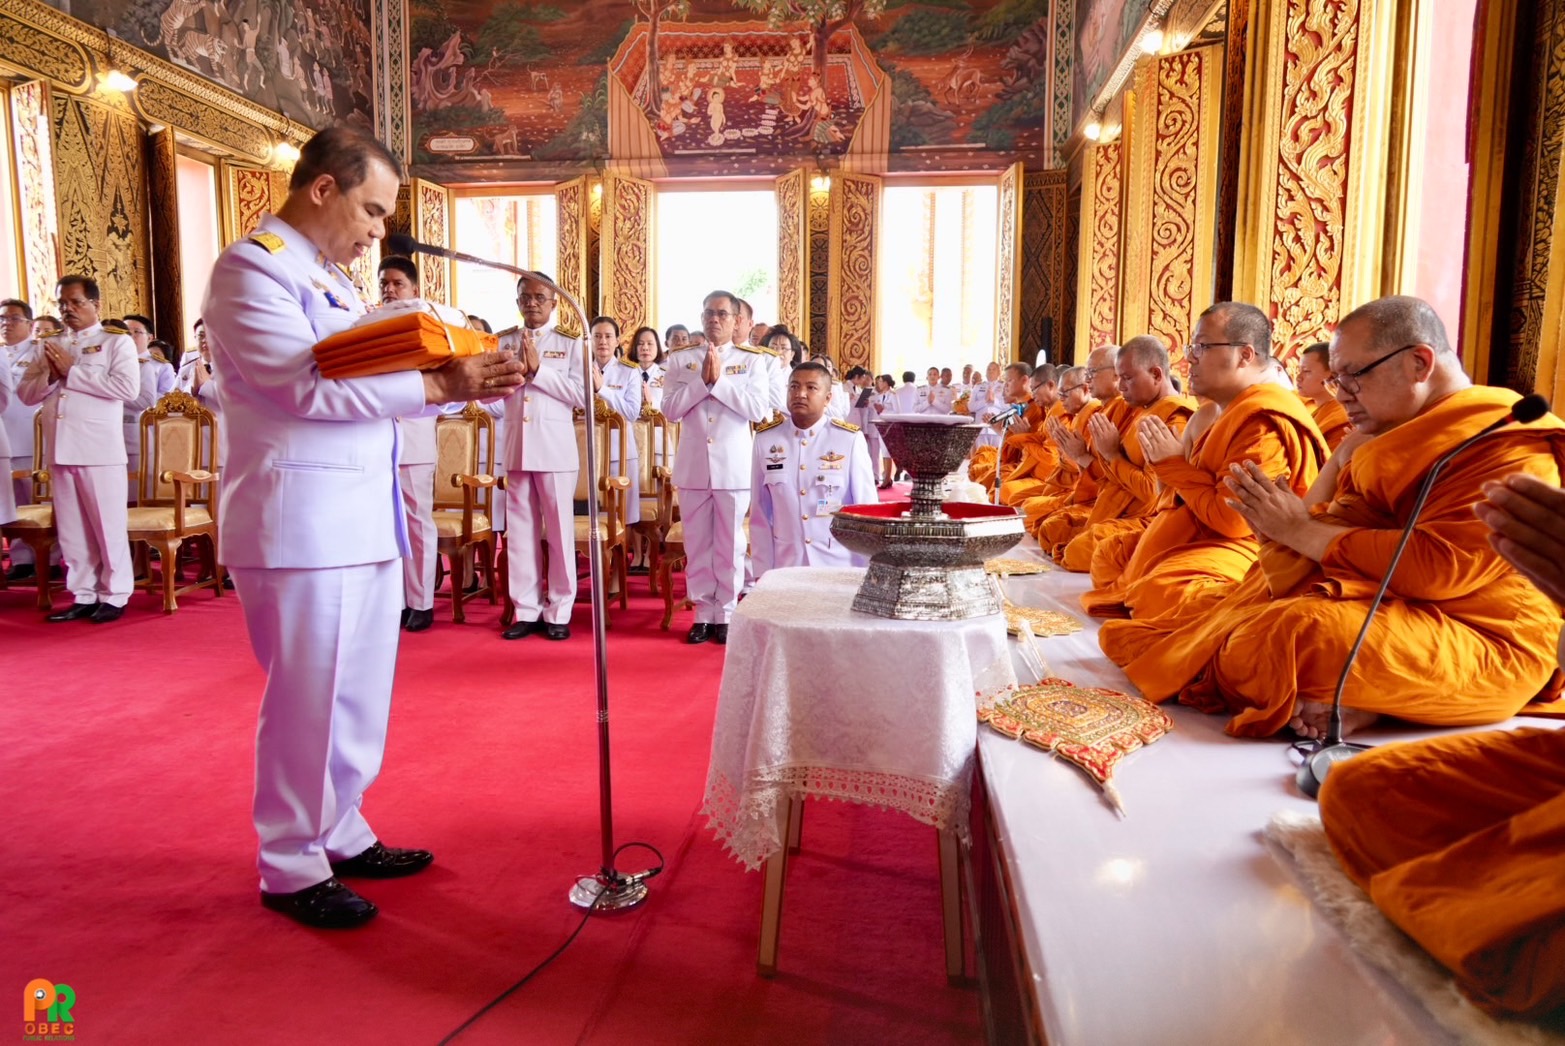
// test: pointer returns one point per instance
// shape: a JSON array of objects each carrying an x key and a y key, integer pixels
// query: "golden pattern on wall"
[
  {"x": 162, "y": 104},
  {"x": 32, "y": 122},
  {"x": 626, "y": 246},
  {"x": 820, "y": 260},
  {"x": 43, "y": 53},
  {"x": 432, "y": 224},
  {"x": 1235, "y": 54},
  {"x": 101, "y": 195},
  {"x": 593, "y": 294},
  {"x": 1102, "y": 207},
  {"x": 571, "y": 205},
  {"x": 1045, "y": 261},
  {"x": 850, "y": 326},
  {"x": 168, "y": 291},
  {"x": 1007, "y": 288},
  {"x": 793, "y": 231},
  {"x": 247, "y": 195}
]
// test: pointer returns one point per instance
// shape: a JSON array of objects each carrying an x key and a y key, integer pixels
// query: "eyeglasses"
[
  {"x": 716, "y": 314},
  {"x": 1196, "y": 349},
  {"x": 1349, "y": 381},
  {"x": 1094, "y": 370},
  {"x": 18, "y": 318},
  {"x": 534, "y": 299},
  {"x": 1070, "y": 389}
]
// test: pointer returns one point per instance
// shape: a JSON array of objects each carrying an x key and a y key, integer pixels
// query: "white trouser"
[
  {"x": 714, "y": 550},
  {"x": 539, "y": 507},
  {"x": 418, "y": 566},
  {"x": 327, "y": 639},
  {"x": 90, "y": 518}
]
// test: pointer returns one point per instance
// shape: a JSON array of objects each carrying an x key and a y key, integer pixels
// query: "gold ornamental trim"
[
  {"x": 163, "y": 104},
  {"x": 855, "y": 218},
  {"x": 793, "y": 234},
  {"x": 1007, "y": 287},
  {"x": 1098, "y": 270},
  {"x": 44, "y": 54},
  {"x": 626, "y": 247}
]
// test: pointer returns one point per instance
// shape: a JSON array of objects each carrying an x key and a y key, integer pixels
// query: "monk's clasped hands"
[
  {"x": 1526, "y": 517},
  {"x": 1270, "y": 506},
  {"x": 1158, "y": 441},
  {"x": 1105, "y": 437}
]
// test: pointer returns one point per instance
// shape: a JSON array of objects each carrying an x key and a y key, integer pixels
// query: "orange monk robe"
[
  {"x": 1127, "y": 490},
  {"x": 986, "y": 462},
  {"x": 1061, "y": 486},
  {"x": 1462, "y": 639},
  {"x": 1198, "y": 545},
  {"x": 1331, "y": 418},
  {"x": 1056, "y": 531},
  {"x": 1460, "y": 841},
  {"x": 1038, "y": 459}
]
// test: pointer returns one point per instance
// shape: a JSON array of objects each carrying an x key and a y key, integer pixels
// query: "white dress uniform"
[
  {"x": 622, "y": 392},
  {"x": 416, "y": 480},
  {"x": 541, "y": 462},
  {"x": 312, "y": 529},
  {"x": 82, "y": 419},
  {"x": 157, "y": 379},
  {"x": 799, "y": 478},
  {"x": 185, "y": 380},
  {"x": 17, "y": 419},
  {"x": 985, "y": 401},
  {"x": 712, "y": 467},
  {"x": 841, "y": 403},
  {"x": 652, "y": 378},
  {"x": 940, "y": 399},
  {"x": 909, "y": 398}
]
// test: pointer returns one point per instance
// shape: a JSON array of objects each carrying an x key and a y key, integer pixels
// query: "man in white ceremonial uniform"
[
  {"x": 942, "y": 396},
  {"x": 16, "y": 329},
  {"x": 620, "y": 385},
  {"x": 541, "y": 461},
  {"x": 399, "y": 282},
  {"x": 776, "y": 367},
  {"x": 157, "y": 379},
  {"x": 985, "y": 400},
  {"x": 312, "y": 525},
  {"x": 907, "y": 396},
  {"x": 186, "y": 377},
  {"x": 804, "y": 469},
  {"x": 716, "y": 392},
  {"x": 83, "y": 379}
]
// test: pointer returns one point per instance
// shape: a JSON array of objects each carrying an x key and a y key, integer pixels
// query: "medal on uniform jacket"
[
  {"x": 737, "y": 368},
  {"x": 775, "y": 457},
  {"x": 554, "y": 354},
  {"x": 832, "y": 460}
]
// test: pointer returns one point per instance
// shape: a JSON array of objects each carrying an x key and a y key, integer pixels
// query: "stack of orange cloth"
[{"x": 410, "y": 340}]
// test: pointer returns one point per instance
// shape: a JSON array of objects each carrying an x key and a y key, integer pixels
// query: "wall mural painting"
[
  {"x": 719, "y": 84},
  {"x": 1104, "y": 30},
  {"x": 307, "y": 59}
]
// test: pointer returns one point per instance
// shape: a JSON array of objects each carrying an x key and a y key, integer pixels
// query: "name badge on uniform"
[
  {"x": 614, "y": 386},
  {"x": 826, "y": 506},
  {"x": 90, "y": 349},
  {"x": 774, "y": 466},
  {"x": 737, "y": 368},
  {"x": 554, "y": 354}
]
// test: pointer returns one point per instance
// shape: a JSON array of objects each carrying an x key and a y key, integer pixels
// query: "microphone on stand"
[
  {"x": 1332, "y": 749},
  {"x": 608, "y": 890}
]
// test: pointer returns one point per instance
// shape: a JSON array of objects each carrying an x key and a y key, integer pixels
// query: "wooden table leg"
[
  {"x": 771, "y": 903},
  {"x": 951, "y": 905}
]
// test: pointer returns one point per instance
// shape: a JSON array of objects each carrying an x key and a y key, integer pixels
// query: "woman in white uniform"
[
  {"x": 619, "y": 385},
  {"x": 647, "y": 353}
]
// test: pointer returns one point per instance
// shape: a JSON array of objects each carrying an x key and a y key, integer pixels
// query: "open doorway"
[
  {"x": 708, "y": 240},
  {"x": 521, "y": 230}
]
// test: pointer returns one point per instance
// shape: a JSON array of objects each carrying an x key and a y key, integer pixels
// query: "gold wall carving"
[
  {"x": 594, "y": 296},
  {"x": 1497, "y": 64},
  {"x": 1007, "y": 285},
  {"x": 1098, "y": 277},
  {"x": 168, "y": 290},
  {"x": 820, "y": 261},
  {"x": 44, "y": 54},
  {"x": 432, "y": 225},
  {"x": 101, "y": 195},
  {"x": 162, "y": 104},
  {"x": 1311, "y": 207},
  {"x": 33, "y": 122},
  {"x": 625, "y": 258},
  {"x": 1235, "y": 55},
  {"x": 793, "y": 267},
  {"x": 247, "y": 195},
  {"x": 572, "y": 203},
  {"x": 850, "y": 324},
  {"x": 1171, "y": 195},
  {"x": 1047, "y": 248}
]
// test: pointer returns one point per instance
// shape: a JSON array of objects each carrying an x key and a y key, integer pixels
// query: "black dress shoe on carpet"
[
  {"x": 21, "y": 572},
  {"x": 326, "y": 906},
  {"x": 419, "y": 620},
  {"x": 383, "y": 862},
  {"x": 557, "y": 632},
  {"x": 699, "y": 633},
  {"x": 522, "y": 629},
  {"x": 76, "y": 612},
  {"x": 720, "y": 634},
  {"x": 406, "y": 611},
  {"x": 107, "y": 612}
]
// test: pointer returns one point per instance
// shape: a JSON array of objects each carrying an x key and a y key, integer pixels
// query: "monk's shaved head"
[
  {"x": 1146, "y": 352},
  {"x": 1400, "y": 320},
  {"x": 1101, "y": 374},
  {"x": 1243, "y": 323},
  {"x": 1045, "y": 373},
  {"x": 1074, "y": 389},
  {"x": 1143, "y": 371}
]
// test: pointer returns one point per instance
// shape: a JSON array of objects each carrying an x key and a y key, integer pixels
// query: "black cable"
[{"x": 530, "y": 974}]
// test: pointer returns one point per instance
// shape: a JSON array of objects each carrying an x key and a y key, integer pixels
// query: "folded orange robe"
[
  {"x": 1462, "y": 639},
  {"x": 1197, "y": 545},
  {"x": 1331, "y": 418},
  {"x": 407, "y": 341},
  {"x": 1128, "y": 490},
  {"x": 1460, "y": 841},
  {"x": 1055, "y": 531}
]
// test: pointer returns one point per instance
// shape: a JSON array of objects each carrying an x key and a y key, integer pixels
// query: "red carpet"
[{"x": 129, "y": 858}]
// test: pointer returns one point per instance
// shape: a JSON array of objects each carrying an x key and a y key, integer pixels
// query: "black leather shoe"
[
  {"x": 720, "y": 634},
  {"x": 419, "y": 620},
  {"x": 383, "y": 862},
  {"x": 77, "y": 612},
  {"x": 522, "y": 629},
  {"x": 326, "y": 906},
  {"x": 406, "y": 612},
  {"x": 21, "y": 572},
  {"x": 699, "y": 633},
  {"x": 106, "y": 612},
  {"x": 557, "y": 632}
]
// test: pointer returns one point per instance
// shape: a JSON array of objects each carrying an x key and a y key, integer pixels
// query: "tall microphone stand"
[{"x": 608, "y": 890}]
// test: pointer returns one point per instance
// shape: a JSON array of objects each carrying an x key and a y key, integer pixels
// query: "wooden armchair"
[
  {"x": 176, "y": 493},
  {"x": 34, "y": 524},
  {"x": 613, "y": 536},
  {"x": 464, "y": 502},
  {"x": 657, "y": 438}
]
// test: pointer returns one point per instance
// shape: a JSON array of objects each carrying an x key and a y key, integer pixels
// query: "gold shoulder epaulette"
[
  {"x": 845, "y": 425},
  {"x": 115, "y": 327},
  {"x": 270, "y": 240},
  {"x": 508, "y": 330},
  {"x": 772, "y": 424},
  {"x": 754, "y": 348}
]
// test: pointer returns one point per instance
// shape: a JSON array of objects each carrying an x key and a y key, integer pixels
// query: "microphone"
[
  {"x": 1332, "y": 749},
  {"x": 1009, "y": 414}
]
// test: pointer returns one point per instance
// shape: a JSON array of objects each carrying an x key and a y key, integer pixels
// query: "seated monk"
[
  {"x": 1080, "y": 488},
  {"x": 1073, "y": 399},
  {"x": 1198, "y": 544},
  {"x": 1114, "y": 415},
  {"x": 1459, "y": 840},
  {"x": 986, "y": 462},
  {"x": 1461, "y": 639},
  {"x": 1127, "y": 486},
  {"x": 1035, "y": 456},
  {"x": 1330, "y": 416}
]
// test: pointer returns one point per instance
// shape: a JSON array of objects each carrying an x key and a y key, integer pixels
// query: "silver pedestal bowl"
[{"x": 927, "y": 558}]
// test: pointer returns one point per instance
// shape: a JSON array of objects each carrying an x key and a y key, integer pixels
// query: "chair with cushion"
[
  {"x": 176, "y": 493},
  {"x": 656, "y": 437},
  {"x": 464, "y": 503},
  {"x": 34, "y": 524}
]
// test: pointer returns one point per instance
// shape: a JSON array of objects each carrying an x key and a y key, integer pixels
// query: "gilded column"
[
  {"x": 1045, "y": 264},
  {"x": 855, "y": 216},
  {"x": 40, "y": 220},
  {"x": 1101, "y": 232},
  {"x": 625, "y": 254},
  {"x": 793, "y": 264},
  {"x": 1007, "y": 308},
  {"x": 572, "y": 203}
]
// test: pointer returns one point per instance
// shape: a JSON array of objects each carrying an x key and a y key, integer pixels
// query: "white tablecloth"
[{"x": 818, "y": 701}]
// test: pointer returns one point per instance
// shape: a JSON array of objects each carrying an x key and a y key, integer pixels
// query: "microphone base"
[
  {"x": 609, "y": 892},
  {"x": 1312, "y": 772}
]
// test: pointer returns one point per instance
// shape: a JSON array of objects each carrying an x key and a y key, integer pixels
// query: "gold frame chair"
[
  {"x": 176, "y": 493},
  {"x": 464, "y": 502}
]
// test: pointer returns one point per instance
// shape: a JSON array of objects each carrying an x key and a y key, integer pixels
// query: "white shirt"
[
  {"x": 799, "y": 477},
  {"x": 83, "y": 416},
  {"x": 18, "y": 416}
]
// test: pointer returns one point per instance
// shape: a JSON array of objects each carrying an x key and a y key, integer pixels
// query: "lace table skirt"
[{"x": 821, "y": 702}]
